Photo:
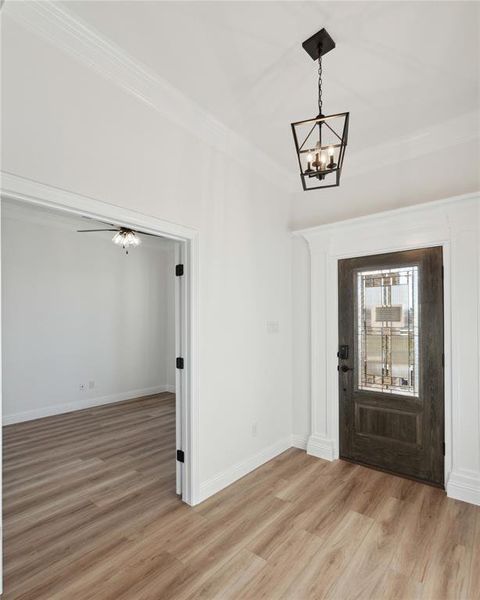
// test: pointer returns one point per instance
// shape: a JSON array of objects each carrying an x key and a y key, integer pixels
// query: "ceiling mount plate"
[{"x": 319, "y": 44}]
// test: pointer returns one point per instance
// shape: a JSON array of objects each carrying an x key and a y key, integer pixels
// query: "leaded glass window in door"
[{"x": 387, "y": 330}]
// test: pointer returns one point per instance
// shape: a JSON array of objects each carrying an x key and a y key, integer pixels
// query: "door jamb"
[{"x": 31, "y": 192}]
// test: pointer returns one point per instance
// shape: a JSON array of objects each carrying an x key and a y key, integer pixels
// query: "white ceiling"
[{"x": 408, "y": 72}]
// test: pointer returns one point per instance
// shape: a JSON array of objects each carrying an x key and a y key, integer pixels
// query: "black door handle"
[{"x": 344, "y": 368}]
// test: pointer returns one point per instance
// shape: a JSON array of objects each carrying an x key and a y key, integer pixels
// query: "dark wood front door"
[{"x": 391, "y": 362}]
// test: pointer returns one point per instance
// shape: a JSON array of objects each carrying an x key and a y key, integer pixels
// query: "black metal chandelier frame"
[{"x": 322, "y": 138}]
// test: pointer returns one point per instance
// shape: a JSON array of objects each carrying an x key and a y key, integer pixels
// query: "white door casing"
[
  {"x": 454, "y": 225},
  {"x": 186, "y": 296}
]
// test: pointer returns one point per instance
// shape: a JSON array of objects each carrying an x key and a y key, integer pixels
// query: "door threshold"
[{"x": 403, "y": 476}]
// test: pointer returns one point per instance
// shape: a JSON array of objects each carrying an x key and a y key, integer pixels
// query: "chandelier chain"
[{"x": 320, "y": 71}]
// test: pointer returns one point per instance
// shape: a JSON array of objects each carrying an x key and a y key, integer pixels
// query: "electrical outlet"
[
  {"x": 91, "y": 385},
  {"x": 254, "y": 430},
  {"x": 82, "y": 387}
]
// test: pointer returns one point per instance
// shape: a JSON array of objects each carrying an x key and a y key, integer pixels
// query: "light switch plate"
[{"x": 273, "y": 327}]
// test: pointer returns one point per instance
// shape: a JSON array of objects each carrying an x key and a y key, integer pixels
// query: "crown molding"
[
  {"x": 73, "y": 36},
  {"x": 386, "y": 215},
  {"x": 69, "y": 33}
]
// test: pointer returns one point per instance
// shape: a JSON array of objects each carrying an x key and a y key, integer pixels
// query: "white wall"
[
  {"x": 67, "y": 126},
  {"x": 77, "y": 310},
  {"x": 455, "y": 225}
]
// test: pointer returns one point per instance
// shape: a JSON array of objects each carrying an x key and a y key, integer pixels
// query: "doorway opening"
[
  {"x": 94, "y": 401},
  {"x": 184, "y": 243},
  {"x": 391, "y": 360}
]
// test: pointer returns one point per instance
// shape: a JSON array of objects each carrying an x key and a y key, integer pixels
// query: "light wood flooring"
[{"x": 91, "y": 513}]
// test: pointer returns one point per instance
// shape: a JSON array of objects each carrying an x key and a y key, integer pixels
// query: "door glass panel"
[{"x": 387, "y": 330}]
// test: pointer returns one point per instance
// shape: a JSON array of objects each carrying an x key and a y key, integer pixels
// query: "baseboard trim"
[
  {"x": 299, "y": 441},
  {"x": 465, "y": 487},
  {"x": 225, "y": 478},
  {"x": 58, "y": 409},
  {"x": 321, "y": 447}
]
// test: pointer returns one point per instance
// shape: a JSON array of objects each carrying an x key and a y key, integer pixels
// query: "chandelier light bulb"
[
  {"x": 331, "y": 152},
  {"x": 309, "y": 163}
]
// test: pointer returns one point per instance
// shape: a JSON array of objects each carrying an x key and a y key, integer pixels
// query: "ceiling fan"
[{"x": 124, "y": 236}]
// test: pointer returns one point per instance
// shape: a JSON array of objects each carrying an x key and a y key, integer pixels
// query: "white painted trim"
[
  {"x": 27, "y": 190},
  {"x": 179, "y": 420},
  {"x": 225, "y": 478},
  {"x": 190, "y": 382},
  {"x": 299, "y": 441},
  {"x": 370, "y": 219},
  {"x": 59, "y": 409},
  {"x": 22, "y": 213},
  {"x": 72, "y": 35},
  {"x": 321, "y": 447},
  {"x": 464, "y": 487},
  {"x": 23, "y": 189},
  {"x": 441, "y": 223}
]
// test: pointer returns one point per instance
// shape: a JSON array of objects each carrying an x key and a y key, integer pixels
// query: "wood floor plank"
[
  {"x": 396, "y": 586},
  {"x": 412, "y": 554},
  {"x": 283, "y": 565},
  {"x": 91, "y": 513},
  {"x": 374, "y": 555},
  {"x": 231, "y": 578},
  {"x": 328, "y": 565},
  {"x": 448, "y": 573},
  {"x": 474, "y": 571}
]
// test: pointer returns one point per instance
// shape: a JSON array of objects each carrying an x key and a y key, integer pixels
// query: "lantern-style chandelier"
[{"x": 320, "y": 142}]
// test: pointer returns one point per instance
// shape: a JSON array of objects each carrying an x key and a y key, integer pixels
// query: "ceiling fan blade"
[{"x": 90, "y": 230}]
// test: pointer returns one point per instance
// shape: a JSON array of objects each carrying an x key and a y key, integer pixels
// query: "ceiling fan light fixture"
[
  {"x": 126, "y": 238},
  {"x": 320, "y": 142}
]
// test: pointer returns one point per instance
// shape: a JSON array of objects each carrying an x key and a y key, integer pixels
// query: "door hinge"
[
  {"x": 443, "y": 360},
  {"x": 178, "y": 270},
  {"x": 443, "y": 448},
  {"x": 181, "y": 456},
  {"x": 179, "y": 362}
]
